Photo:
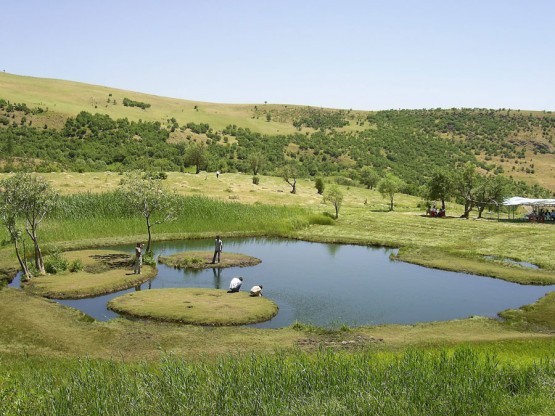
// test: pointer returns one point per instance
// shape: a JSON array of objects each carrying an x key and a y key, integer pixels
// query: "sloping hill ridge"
[{"x": 61, "y": 125}]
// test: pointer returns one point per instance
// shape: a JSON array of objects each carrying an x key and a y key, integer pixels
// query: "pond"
[{"x": 332, "y": 284}]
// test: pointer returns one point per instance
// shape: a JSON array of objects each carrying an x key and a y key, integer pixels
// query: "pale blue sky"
[{"x": 366, "y": 55}]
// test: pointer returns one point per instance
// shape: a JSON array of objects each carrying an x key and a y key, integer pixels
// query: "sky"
[{"x": 350, "y": 54}]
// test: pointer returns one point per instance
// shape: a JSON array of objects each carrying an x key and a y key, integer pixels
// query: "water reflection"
[{"x": 217, "y": 278}]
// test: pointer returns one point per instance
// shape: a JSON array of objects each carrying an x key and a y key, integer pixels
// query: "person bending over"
[
  {"x": 235, "y": 284},
  {"x": 256, "y": 290}
]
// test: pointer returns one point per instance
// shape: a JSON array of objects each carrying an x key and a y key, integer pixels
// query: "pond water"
[{"x": 331, "y": 284}]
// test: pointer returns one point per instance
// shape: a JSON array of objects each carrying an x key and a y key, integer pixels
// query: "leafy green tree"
[
  {"x": 492, "y": 193},
  {"x": 389, "y": 186},
  {"x": 439, "y": 186},
  {"x": 256, "y": 160},
  {"x": 466, "y": 183},
  {"x": 320, "y": 186},
  {"x": 369, "y": 177},
  {"x": 290, "y": 172},
  {"x": 334, "y": 196},
  {"x": 149, "y": 198},
  {"x": 32, "y": 198},
  {"x": 196, "y": 156},
  {"x": 9, "y": 203}
]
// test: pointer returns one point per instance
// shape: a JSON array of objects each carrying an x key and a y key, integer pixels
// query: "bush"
[
  {"x": 55, "y": 263},
  {"x": 76, "y": 266},
  {"x": 319, "y": 184},
  {"x": 148, "y": 259},
  {"x": 341, "y": 180},
  {"x": 255, "y": 180}
]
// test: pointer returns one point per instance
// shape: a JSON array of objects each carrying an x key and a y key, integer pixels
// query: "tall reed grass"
[
  {"x": 325, "y": 383},
  {"x": 88, "y": 216}
]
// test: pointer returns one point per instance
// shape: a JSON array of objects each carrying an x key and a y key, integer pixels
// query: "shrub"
[
  {"x": 76, "y": 266},
  {"x": 255, "y": 180},
  {"x": 319, "y": 184},
  {"x": 55, "y": 263}
]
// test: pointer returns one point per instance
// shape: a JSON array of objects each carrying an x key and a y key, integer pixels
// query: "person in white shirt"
[
  {"x": 235, "y": 284},
  {"x": 218, "y": 247},
  {"x": 256, "y": 290}
]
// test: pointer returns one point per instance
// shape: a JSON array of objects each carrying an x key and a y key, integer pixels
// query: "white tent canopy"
[{"x": 535, "y": 202}]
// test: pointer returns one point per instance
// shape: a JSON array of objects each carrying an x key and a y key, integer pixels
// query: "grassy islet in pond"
[
  {"x": 103, "y": 271},
  {"x": 203, "y": 259},
  {"x": 195, "y": 306}
]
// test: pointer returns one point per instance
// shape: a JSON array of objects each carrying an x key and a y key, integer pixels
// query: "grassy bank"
[{"x": 462, "y": 382}]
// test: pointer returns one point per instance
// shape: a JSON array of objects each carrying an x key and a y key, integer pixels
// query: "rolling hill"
[{"x": 52, "y": 124}]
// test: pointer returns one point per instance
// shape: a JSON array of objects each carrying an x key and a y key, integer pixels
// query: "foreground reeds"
[{"x": 414, "y": 383}]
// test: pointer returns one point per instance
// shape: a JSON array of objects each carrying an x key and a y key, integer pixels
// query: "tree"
[
  {"x": 440, "y": 186},
  {"x": 147, "y": 197},
  {"x": 256, "y": 160},
  {"x": 290, "y": 172},
  {"x": 8, "y": 213},
  {"x": 196, "y": 156},
  {"x": 465, "y": 185},
  {"x": 30, "y": 197},
  {"x": 492, "y": 193},
  {"x": 319, "y": 185},
  {"x": 334, "y": 196},
  {"x": 388, "y": 186},
  {"x": 369, "y": 177}
]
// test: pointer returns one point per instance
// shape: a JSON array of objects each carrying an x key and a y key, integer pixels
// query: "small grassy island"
[
  {"x": 212, "y": 307},
  {"x": 103, "y": 271},
  {"x": 203, "y": 259}
]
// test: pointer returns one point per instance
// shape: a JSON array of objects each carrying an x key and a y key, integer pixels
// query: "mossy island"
[
  {"x": 103, "y": 272},
  {"x": 196, "y": 306},
  {"x": 203, "y": 260}
]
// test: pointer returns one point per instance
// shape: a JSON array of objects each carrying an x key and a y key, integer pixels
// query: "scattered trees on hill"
[
  {"x": 148, "y": 197},
  {"x": 408, "y": 143},
  {"x": 389, "y": 186}
]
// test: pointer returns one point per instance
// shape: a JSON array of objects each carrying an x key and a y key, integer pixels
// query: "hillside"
[
  {"x": 64, "y": 99},
  {"x": 54, "y": 125}
]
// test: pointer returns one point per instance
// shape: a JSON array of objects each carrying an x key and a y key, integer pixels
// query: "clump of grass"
[
  {"x": 76, "y": 266},
  {"x": 336, "y": 329}
]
